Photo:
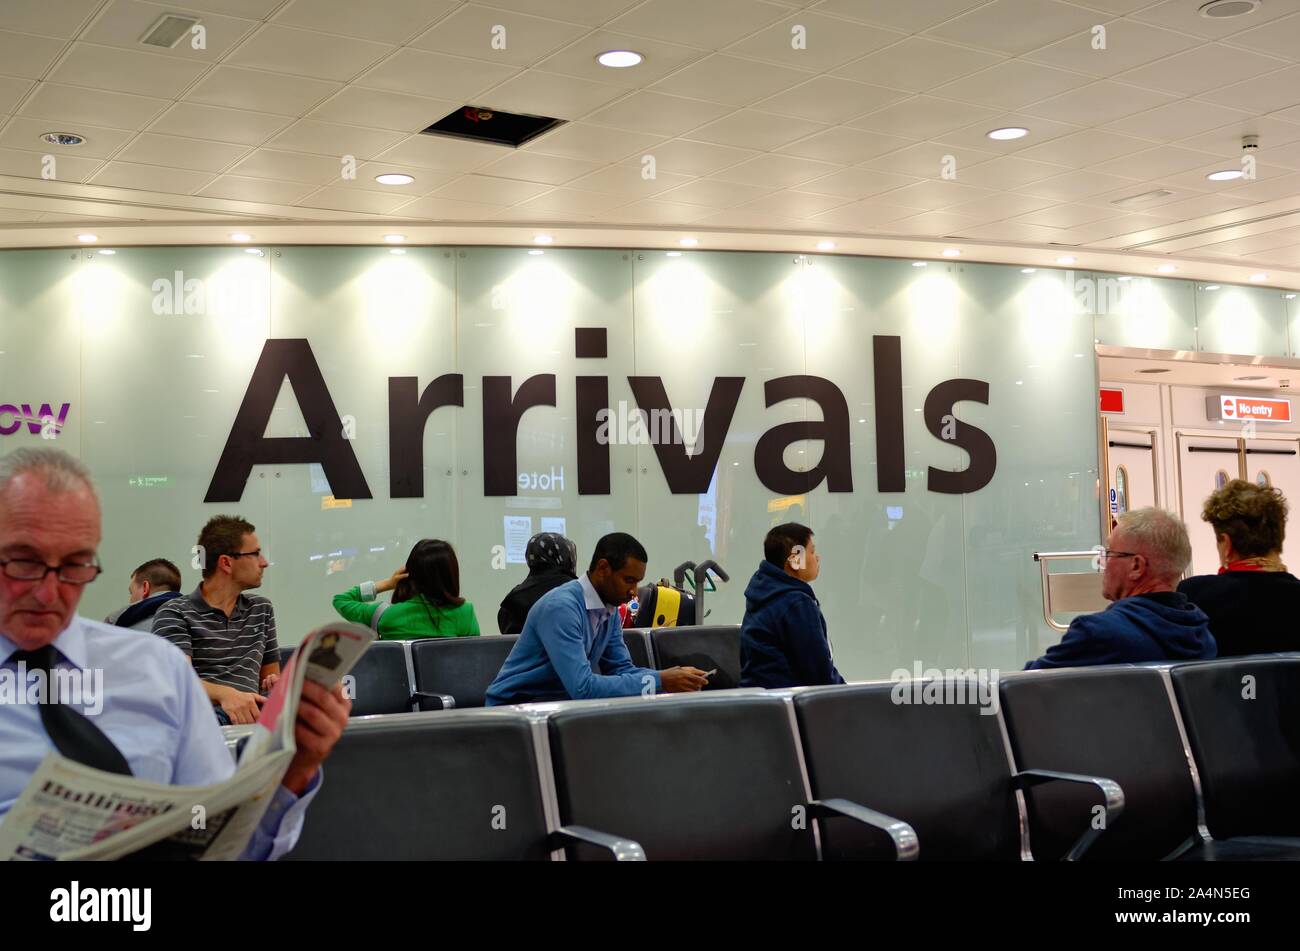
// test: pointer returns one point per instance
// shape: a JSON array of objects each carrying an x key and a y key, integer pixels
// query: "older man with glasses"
[
  {"x": 1149, "y": 620},
  {"x": 153, "y": 720}
]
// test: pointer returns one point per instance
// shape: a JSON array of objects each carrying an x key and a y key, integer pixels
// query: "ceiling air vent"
[
  {"x": 169, "y": 30},
  {"x": 1139, "y": 199},
  {"x": 491, "y": 125}
]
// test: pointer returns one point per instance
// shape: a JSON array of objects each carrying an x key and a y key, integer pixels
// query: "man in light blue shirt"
[
  {"x": 152, "y": 706},
  {"x": 572, "y": 643}
]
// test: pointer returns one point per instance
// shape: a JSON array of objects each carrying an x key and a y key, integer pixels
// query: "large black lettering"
[
  {"x": 592, "y": 396},
  {"x": 501, "y": 415},
  {"x": 887, "y": 368},
  {"x": 835, "y": 467},
  {"x": 247, "y": 446},
  {"x": 941, "y": 422},
  {"x": 689, "y": 474},
  {"x": 408, "y": 412}
]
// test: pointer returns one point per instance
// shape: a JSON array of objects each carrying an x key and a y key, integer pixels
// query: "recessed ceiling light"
[
  {"x": 1167, "y": 269},
  {"x": 394, "y": 238},
  {"x": 619, "y": 59},
  {"x": 1066, "y": 259},
  {"x": 67, "y": 139},
  {"x": 107, "y": 251},
  {"x": 1224, "y": 9},
  {"x": 1011, "y": 132},
  {"x": 240, "y": 236},
  {"x": 1259, "y": 277},
  {"x": 920, "y": 263},
  {"x": 1289, "y": 296},
  {"x": 256, "y": 251},
  {"x": 1225, "y": 175},
  {"x": 951, "y": 253},
  {"x": 689, "y": 242},
  {"x": 825, "y": 245},
  {"x": 87, "y": 238},
  {"x": 536, "y": 251},
  {"x": 1028, "y": 270},
  {"x": 1248, "y": 379},
  {"x": 543, "y": 239},
  {"x": 394, "y": 178},
  {"x": 397, "y": 250},
  {"x": 1210, "y": 287},
  {"x": 678, "y": 254},
  {"x": 1124, "y": 277}
]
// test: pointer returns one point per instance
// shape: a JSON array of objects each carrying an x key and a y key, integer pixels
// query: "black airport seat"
[
  {"x": 943, "y": 768},
  {"x": 1242, "y": 717},
  {"x": 710, "y": 647},
  {"x": 637, "y": 640},
  {"x": 444, "y": 786},
  {"x": 460, "y": 667},
  {"x": 381, "y": 682},
  {"x": 694, "y": 777}
]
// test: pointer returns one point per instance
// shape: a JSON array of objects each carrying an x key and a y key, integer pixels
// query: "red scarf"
[{"x": 1242, "y": 566}]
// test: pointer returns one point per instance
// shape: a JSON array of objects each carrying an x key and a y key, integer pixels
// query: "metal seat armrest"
[
  {"x": 1111, "y": 793},
  {"x": 906, "y": 845},
  {"x": 624, "y": 850},
  {"x": 447, "y": 700}
]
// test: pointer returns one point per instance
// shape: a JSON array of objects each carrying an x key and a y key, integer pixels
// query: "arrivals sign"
[{"x": 1237, "y": 408}]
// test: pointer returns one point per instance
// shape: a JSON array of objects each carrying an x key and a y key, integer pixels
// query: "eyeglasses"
[
  {"x": 21, "y": 569},
  {"x": 1108, "y": 553},
  {"x": 255, "y": 553}
]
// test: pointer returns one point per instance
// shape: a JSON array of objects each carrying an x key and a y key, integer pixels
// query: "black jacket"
[
  {"x": 516, "y": 605},
  {"x": 783, "y": 640},
  {"x": 1251, "y": 612}
]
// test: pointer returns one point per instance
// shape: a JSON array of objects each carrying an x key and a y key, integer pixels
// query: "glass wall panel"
[
  {"x": 1137, "y": 311},
  {"x": 1245, "y": 320}
]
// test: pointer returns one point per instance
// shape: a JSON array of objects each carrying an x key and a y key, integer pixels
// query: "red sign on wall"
[
  {"x": 1248, "y": 407},
  {"x": 1112, "y": 400}
]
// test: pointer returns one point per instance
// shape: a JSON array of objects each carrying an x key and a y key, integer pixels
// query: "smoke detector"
[{"x": 1250, "y": 141}]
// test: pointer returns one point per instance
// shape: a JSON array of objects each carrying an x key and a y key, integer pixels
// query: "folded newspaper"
[{"x": 73, "y": 812}]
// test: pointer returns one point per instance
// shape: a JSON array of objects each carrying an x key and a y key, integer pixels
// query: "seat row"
[
  {"x": 1190, "y": 762},
  {"x": 442, "y": 673}
]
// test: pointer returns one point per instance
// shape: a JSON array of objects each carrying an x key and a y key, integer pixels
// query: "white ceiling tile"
[
  {"x": 1128, "y": 44},
  {"x": 149, "y": 148},
  {"x": 629, "y": 181},
  {"x": 440, "y": 152},
  {"x": 26, "y": 164},
  {"x": 1011, "y": 84},
  {"x": 1177, "y": 120},
  {"x": 23, "y": 133},
  {"x": 589, "y": 12},
  {"x": 921, "y": 117},
  {"x": 826, "y": 42},
  {"x": 426, "y": 179},
  {"x": 571, "y": 201},
  {"x": 151, "y": 178},
  {"x": 1109, "y": 228},
  {"x": 62, "y": 18},
  {"x": 749, "y": 128},
  {"x": 263, "y": 190},
  {"x": 1066, "y": 216},
  {"x": 125, "y": 22},
  {"x": 776, "y": 171},
  {"x": 397, "y": 22},
  {"x": 1073, "y": 185},
  {"x": 252, "y": 9},
  {"x": 422, "y": 73},
  {"x": 1269, "y": 188},
  {"x": 1016, "y": 26},
  {"x": 657, "y": 114},
  {"x": 845, "y": 146},
  {"x": 1202, "y": 69},
  {"x": 730, "y": 80},
  {"x": 106, "y": 67},
  {"x": 857, "y": 183},
  {"x": 487, "y": 190},
  {"x": 861, "y": 216},
  {"x": 933, "y": 195},
  {"x": 1099, "y": 102},
  {"x": 793, "y": 204},
  {"x": 10, "y": 215},
  {"x": 661, "y": 212},
  {"x": 1001, "y": 205},
  {"x": 342, "y": 198},
  {"x": 471, "y": 31},
  {"x": 69, "y": 105},
  {"x": 30, "y": 56},
  {"x": 582, "y": 140},
  {"x": 1081, "y": 149},
  {"x": 12, "y": 91},
  {"x": 917, "y": 64},
  {"x": 1009, "y": 172},
  {"x": 910, "y": 17},
  {"x": 930, "y": 160},
  {"x": 977, "y": 136},
  {"x": 447, "y": 209},
  {"x": 579, "y": 59},
  {"x": 290, "y": 166},
  {"x": 944, "y": 223},
  {"x": 327, "y": 138},
  {"x": 715, "y": 194},
  {"x": 281, "y": 49},
  {"x": 260, "y": 92},
  {"x": 1270, "y": 93},
  {"x": 1279, "y": 38},
  {"x": 1154, "y": 163},
  {"x": 381, "y": 109},
  {"x": 1186, "y": 17},
  {"x": 688, "y": 157},
  {"x": 199, "y": 121},
  {"x": 1199, "y": 206},
  {"x": 1149, "y": 205},
  {"x": 742, "y": 218},
  {"x": 1272, "y": 131},
  {"x": 536, "y": 93},
  {"x": 828, "y": 99},
  {"x": 709, "y": 25},
  {"x": 535, "y": 167},
  {"x": 1010, "y": 231}
]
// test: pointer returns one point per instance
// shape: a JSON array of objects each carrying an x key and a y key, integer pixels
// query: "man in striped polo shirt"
[{"x": 228, "y": 635}]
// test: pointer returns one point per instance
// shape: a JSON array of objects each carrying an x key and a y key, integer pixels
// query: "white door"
[
  {"x": 1276, "y": 462},
  {"x": 1204, "y": 464},
  {"x": 1132, "y": 458}
]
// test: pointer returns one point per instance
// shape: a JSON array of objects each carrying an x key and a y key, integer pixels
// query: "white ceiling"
[
  {"x": 843, "y": 139},
  {"x": 1228, "y": 376}
]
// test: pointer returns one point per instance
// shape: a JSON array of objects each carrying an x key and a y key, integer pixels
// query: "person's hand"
[
  {"x": 682, "y": 679},
  {"x": 268, "y": 682},
  {"x": 240, "y": 706},
  {"x": 388, "y": 584},
  {"x": 322, "y": 715}
]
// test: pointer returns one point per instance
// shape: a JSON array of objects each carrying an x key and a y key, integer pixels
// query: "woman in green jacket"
[{"x": 426, "y": 598}]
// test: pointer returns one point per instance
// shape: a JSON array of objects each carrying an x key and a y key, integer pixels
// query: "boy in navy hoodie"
[
  {"x": 783, "y": 641},
  {"x": 1149, "y": 620}
]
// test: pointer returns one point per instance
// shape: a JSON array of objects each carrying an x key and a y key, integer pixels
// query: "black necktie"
[{"x": 70, "y": 730}]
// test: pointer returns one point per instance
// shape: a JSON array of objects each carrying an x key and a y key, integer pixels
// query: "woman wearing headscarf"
[{"x": 552, "y": 560}]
